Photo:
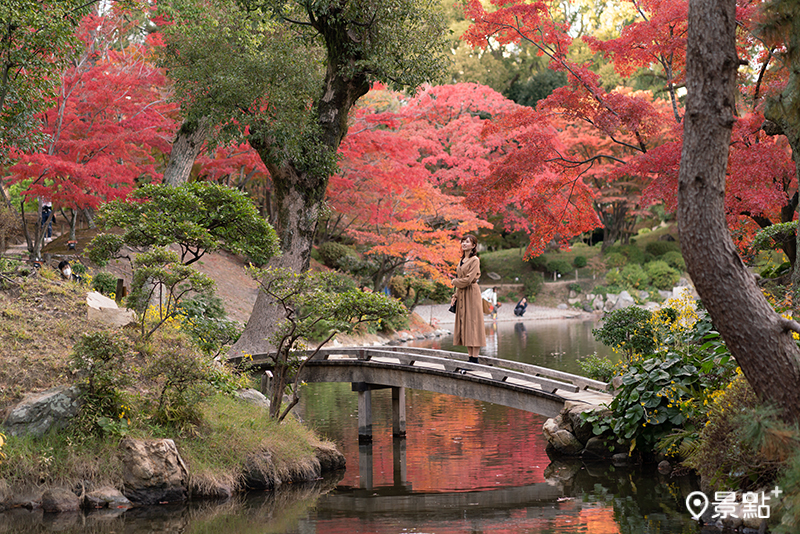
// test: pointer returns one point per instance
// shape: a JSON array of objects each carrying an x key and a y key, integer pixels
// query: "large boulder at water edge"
[
  {"x": 153, "y": 471},
  {"x": 330, "y": 459},
  {"x": 561, "y": 439},
  {"x": 568, "y": 434},
  {"x": 40, "y": 412},
  {"x": 106, "y": 497},
  {"x": 262, "y": 472},
  {"x": 60, "y": 500}
]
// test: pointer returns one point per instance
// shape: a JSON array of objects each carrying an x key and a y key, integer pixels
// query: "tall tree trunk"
[
  {"x": 185, "y": 149},
  {"x": 783, "y": 118},
  {"x": 757, "y": 337},
  {"x": 300, "y": 195}
]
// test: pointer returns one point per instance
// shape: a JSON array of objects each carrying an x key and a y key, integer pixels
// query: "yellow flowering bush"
[
  {"x": 721, "y": 455},
  {"x": 675, "y": 361}
]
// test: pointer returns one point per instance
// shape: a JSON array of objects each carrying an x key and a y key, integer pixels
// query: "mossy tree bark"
[
  {"x": 299, "y": 190},
  {"x": 759, "y": 338},
  {"x": 185, "y": 149}
]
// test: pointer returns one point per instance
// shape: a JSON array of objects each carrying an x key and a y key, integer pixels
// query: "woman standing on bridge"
[{"x": 468, "y": 330}]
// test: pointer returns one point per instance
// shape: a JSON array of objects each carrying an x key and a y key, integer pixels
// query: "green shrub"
[
  {"x": 600, "y": 290},
  {"x": 634, "y": 276},
  {"x": 336, "y": 256},
  {"x": 183, "y": 379},
  {"x": 774, "y": 271},
  {"x": 441, "y": 292},
  {"x": 561, "y": 267},
  {"x": 597, "y": 367},
  {"x": 675, "y": 260},
  {"x": 633, "y": 253},
  {"x": 662, "y": 275},
  {"x": 105, "y": 283},
  {"x": 615, "y": 260},
  {"x": 722, "y": 456},
  {"x": 659, "y": 248},
  {"x": 99, "y": 360},
  {"x": 532, "y": 286},
  {"x": 206, "y": 322},
  {"x": 537, "y": 263},
  {"x": 628, "y": 330},
  {"x": 613, "y": 278},
  {"x": 576, "y": 287},
  {"x": 579, "y": 262}
]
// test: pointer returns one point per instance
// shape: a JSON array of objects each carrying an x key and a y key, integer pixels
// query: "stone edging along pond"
[{"x": 152, "y": 470}]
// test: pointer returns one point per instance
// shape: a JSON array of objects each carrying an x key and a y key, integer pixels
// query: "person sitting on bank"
[
  {"x": 66, "y": 271},
  {"x": 522, "y": 305}
]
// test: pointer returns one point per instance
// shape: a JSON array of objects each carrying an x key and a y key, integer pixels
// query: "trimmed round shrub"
[
  {"x": 662, "y": 275},
  {"x": 633, "y": 253},
  {"x": 579, "y": 262},
  {"x": 634, "y": 276},
  {"x": 615, "y": 260},
  {"x": 627, "y": 330},
  {"x": 335, "y": 255},
  {"x": 538, "y": 263},
  {"x": 675, "y": 260},
  {"x": 659, "y": 248},
  {"x": 104, "y": 282},
  {"x": 559, "y": 266}
]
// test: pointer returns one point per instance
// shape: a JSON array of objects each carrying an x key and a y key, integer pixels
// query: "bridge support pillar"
[
  {"x": 365, "y": 416},
  {"x": 365, "y": 465},
  {"x": 399, "y": 462},
  {"x": 399, "y": 412}
]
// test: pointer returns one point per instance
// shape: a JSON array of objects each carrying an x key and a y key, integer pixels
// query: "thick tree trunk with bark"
[
  {"x": 185, "y": 149},
  {"x": 783, "y": 119},
  {"x": 300, "y": 194},
  {"x": 757, "y": 337}
]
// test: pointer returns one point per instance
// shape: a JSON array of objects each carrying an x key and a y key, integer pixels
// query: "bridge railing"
[{"x": 501, "y": 370}]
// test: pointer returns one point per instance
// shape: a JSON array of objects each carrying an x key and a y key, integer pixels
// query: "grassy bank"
[
  {"x": 161, "y": 388},
  {"x": 214, "y": 452}
]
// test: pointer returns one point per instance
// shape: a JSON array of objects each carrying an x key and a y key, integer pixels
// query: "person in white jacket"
[{"x": 491, "y": 297}]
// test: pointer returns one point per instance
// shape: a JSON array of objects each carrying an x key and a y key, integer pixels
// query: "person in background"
[
  {"x": 491, "y": 297},
  {"x": 522, "y": 305},
  {"x": 468, "y": 330},
  {"x": 66, "y": 271},
  {"x": 47, "y": 223}
]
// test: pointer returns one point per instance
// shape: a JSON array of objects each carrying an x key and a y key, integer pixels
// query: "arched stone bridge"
[{"x": 518, "y": 385}]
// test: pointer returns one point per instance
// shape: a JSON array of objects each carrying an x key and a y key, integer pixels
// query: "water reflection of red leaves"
[
  {"x": 519, "y": 521},
  {"x": 456, "y": 444}
]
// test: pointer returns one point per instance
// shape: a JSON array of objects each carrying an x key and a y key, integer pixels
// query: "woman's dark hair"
[{"x": 474, "y": 240}]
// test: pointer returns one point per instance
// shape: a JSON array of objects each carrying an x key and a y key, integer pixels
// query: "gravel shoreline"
[{"x": 440, "y": 314}]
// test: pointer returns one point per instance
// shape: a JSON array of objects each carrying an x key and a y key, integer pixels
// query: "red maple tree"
[
  {"x": 108, "y": 127},
  {"x": 636, "y": 139},
  {"x": 388, "y": 198}
]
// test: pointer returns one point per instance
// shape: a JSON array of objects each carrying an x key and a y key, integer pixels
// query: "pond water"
[{"x": 465, "y": 467}]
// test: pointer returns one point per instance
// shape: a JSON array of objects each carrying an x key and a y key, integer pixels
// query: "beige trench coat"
[{"x": 468, "y": 330}]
